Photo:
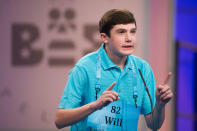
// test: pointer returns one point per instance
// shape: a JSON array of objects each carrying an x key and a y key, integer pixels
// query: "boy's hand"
[
  {"x": 164, "y": 93},
  {"x": 107, "y": 97}
]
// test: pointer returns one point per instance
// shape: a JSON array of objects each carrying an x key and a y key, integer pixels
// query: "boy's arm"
[
  {"x": 66, "y": 117},
  {"x": 163, "y": 96},
  {"x": 158, "y": 117}
]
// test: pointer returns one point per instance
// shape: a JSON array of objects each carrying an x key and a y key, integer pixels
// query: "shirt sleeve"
[
  {"x": 150, "y": 82},
  {"x": 73, "y": 93}
]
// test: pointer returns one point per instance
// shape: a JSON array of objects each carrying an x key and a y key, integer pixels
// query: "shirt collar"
[
  {"x": 107, "y": 63},
  {"x": 128, "y": 64}
]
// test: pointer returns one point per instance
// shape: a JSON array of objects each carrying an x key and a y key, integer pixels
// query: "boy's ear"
[{"x": 104, "y": 37}]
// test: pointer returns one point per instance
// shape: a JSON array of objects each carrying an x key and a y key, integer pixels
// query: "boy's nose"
[{"x": 128, "y": 38}]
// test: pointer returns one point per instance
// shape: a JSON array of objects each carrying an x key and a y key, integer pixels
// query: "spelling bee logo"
[{"x": 26, "y": 35}]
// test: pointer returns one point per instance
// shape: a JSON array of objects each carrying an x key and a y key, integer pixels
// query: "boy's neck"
[{"x": 118, "y": 60}]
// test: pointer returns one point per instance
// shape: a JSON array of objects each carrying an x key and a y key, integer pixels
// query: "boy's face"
[{"x": 122, "y": 39}]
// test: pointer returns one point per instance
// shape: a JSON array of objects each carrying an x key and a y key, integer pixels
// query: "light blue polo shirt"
[{"x": 80, "y": 87}]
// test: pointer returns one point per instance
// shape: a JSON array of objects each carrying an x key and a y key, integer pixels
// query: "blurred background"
[{"x": 40, "y": 41}]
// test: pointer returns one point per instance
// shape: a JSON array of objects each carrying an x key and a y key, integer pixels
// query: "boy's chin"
[{"x": 127, "y": 53}]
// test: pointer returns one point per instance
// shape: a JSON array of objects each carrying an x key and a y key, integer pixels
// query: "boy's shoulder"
[
  {"x": 138, "y": 59},
  {"x": 139, "y": 62},
  {"x": 88, "y": 60}
]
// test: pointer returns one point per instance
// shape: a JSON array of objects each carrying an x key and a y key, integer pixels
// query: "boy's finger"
[
  {"x": 167, "y": 78},
  {"x": 111, "y": 87},
  {"x": 160, "y": 87}
]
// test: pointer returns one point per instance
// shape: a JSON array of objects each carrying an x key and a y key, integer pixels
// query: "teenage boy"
[{"x": 106, "y": 90}]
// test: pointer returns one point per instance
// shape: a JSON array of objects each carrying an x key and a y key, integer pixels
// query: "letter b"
[{"x": 23, "y": 36}]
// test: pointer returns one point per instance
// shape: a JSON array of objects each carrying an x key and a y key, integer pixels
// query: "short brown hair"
[{"x": 114, "y": 17}]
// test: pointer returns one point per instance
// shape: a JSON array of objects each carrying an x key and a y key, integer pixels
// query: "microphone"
[{"x": 148, "y": 96}]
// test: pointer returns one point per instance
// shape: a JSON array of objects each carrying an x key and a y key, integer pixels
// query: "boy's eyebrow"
[
  {"x": 134, "y": 28},
  {"x": 122, "y": 29}
]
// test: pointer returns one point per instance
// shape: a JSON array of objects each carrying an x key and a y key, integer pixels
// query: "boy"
[{"x": 106, "y": 90}]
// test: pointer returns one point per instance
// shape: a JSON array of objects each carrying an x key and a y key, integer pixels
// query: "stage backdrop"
[{"x": 40, "y": 41}]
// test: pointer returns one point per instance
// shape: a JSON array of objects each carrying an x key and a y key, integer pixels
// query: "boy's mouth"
[{"x": 128, "y": 46}]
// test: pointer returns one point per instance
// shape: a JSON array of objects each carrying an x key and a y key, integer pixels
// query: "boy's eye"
[
  {"x": 121, "y": 31},
  {"x": 133, "y": 31}
]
